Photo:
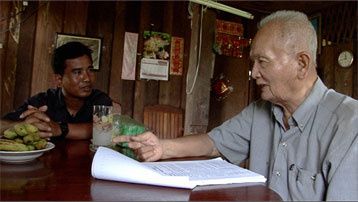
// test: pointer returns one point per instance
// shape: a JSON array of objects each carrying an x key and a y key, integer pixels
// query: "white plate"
[{"x": 23, "y": 156}]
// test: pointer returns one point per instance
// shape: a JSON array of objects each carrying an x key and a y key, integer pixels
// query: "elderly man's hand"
[{"x": 147, "y": 146}]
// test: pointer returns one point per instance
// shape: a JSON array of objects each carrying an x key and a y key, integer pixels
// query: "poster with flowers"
[{"x": 155, "y": 61}]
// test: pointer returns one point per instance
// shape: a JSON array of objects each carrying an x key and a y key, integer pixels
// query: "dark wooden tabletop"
[{"x": 64, "y": 173}]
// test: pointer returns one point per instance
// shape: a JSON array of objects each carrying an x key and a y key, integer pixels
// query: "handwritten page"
[{"x": 111, "y": 165}]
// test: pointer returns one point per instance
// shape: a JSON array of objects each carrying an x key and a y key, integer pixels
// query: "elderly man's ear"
[{"x": 303, "y": 60}]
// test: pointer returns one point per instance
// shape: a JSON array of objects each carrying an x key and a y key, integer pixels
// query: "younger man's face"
[{"x": 78, "y": 78}]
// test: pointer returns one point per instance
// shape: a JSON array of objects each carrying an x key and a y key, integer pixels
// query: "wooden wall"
[
  {"x": 26, "y": 67},
  {"x": 26, "y": 64},
  {"x": 338, "y": 27}
]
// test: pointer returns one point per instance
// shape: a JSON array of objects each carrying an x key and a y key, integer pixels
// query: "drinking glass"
[{"x": 102, "y": 126}]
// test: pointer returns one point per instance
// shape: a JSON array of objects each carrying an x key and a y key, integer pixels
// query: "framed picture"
[
  {"x": 316, "y": 22},
  {"x": 94, "y": 44}
]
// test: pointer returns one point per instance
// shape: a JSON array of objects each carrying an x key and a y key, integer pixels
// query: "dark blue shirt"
[{"x": 57, "y": 109}]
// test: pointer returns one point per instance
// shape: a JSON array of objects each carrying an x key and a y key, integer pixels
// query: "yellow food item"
[
  {"x": 30, "y": 128},
  {"x": 41, "y": 144},
  {"x": 22, "y": 137},
  {"x": 28, "y": 139},
  {"x": 30, "y": 147},
  {"x": 19, "y": 140},
  {"x": 10, "y": 133},
  {"x": 11, "y": 145},
  {"x": 20, "y": 129}
]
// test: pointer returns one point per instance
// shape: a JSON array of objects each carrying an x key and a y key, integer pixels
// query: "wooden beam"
[
  {"x": 25, "y": 53},
  {"x": 198, "y": 101},
  {"x": 49, "y": 21}
]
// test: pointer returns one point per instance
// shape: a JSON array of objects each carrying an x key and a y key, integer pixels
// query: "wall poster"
[
  {"x": 155, "y": 62},
  {"x": 129, "y": 56},
  {"x": 176, "y": 56}
]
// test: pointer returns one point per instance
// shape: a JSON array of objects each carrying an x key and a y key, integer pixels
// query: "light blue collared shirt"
[{"x": 316, "y": 159}]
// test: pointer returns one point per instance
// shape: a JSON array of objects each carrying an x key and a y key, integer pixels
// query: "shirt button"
[
  {"x": 278, "y": 173},
  {"x": 284, "y": 144}
]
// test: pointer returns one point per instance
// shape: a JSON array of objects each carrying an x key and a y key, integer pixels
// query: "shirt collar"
[
  {"x": 309, "y": 105},
  {"x": 61, "y": 98},
  {"x": 306, "y": 109}
]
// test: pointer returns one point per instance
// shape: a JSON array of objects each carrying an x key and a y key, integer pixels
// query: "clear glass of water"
[{"x": 102, "y": 126}]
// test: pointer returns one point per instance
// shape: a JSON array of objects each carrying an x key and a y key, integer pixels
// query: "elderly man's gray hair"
[{"x": 295, "y": 26}]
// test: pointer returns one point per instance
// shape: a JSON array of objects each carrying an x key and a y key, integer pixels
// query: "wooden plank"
[
  {"x": 127, "y": 90},
  {"x": 327, "y": 62},
  {"x": 7, "y": 63},
  {"x": 25, "y": 53},
  {"x": 156, "y": 12},
  {"x": 150, "y": 13},
  {"x": 139, "y": 90},
  {"x": 165, "y": 124},
  {"x": 100, "y": 22},
  {"x": 75, "y": 17},
  {"x": 49, "y": 21},
  {"x": 165, "y": 93},
  {"x": 170, "y": 92},
  {"x": 152, "y": 91},
  {"x": 115, "y": 87},
  {"x": 198, "y": 101},
  {"x": 173, "y": 125},
  {"x": 187, "y": 25},
  {"x": 190, "y": 73}
]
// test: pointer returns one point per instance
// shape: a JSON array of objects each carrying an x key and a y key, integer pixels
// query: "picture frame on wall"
[
  {"x": 316, "y": 21},
  {"x": 93, "y": 43}
]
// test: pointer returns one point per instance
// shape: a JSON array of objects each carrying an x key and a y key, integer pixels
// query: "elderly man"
[{"x": 300, "y": 135}]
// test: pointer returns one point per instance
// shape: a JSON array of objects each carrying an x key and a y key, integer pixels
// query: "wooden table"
[{"x": 64, "y": 173}]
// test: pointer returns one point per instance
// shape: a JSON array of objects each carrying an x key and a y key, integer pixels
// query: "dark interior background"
[{"x": 25, "y": 56}]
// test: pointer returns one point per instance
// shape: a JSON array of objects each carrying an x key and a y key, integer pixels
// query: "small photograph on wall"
[{"x": 93, "y": 43}]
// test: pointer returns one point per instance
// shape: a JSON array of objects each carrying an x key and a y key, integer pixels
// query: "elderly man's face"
[
  {"x": 274, "y": 67},
  {"x": 78, "y": 77}
]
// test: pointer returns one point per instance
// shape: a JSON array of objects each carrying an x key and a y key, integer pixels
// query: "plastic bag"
[{"x": 125, "y": 125}]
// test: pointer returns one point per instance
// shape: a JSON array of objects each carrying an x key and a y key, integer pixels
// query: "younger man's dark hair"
[{"x": 69, "y": 50}]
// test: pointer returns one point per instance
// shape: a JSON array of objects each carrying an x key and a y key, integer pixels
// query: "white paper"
[
  {"x": 154, "y": 69},
  {"x": 129, "y": 56},
  {"x": 204, "y": 172},
  {"x": 111, "y": 165}
]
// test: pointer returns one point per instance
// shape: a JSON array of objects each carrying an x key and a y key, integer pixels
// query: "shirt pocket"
[{"x": 305, "y": 185}]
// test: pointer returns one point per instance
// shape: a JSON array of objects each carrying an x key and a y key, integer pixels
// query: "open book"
[{"x": 109, "y": 164}]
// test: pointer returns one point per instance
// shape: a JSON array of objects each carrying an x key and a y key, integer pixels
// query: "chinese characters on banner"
[
  {"x": 229, "y": 39},
  {"x": 176, "y": 56}
]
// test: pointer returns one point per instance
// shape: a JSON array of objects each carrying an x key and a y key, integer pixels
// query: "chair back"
[{"x": 164, "y": 120}]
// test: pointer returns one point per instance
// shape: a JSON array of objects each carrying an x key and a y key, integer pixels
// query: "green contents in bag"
[{"x": 125, "y": 125}]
